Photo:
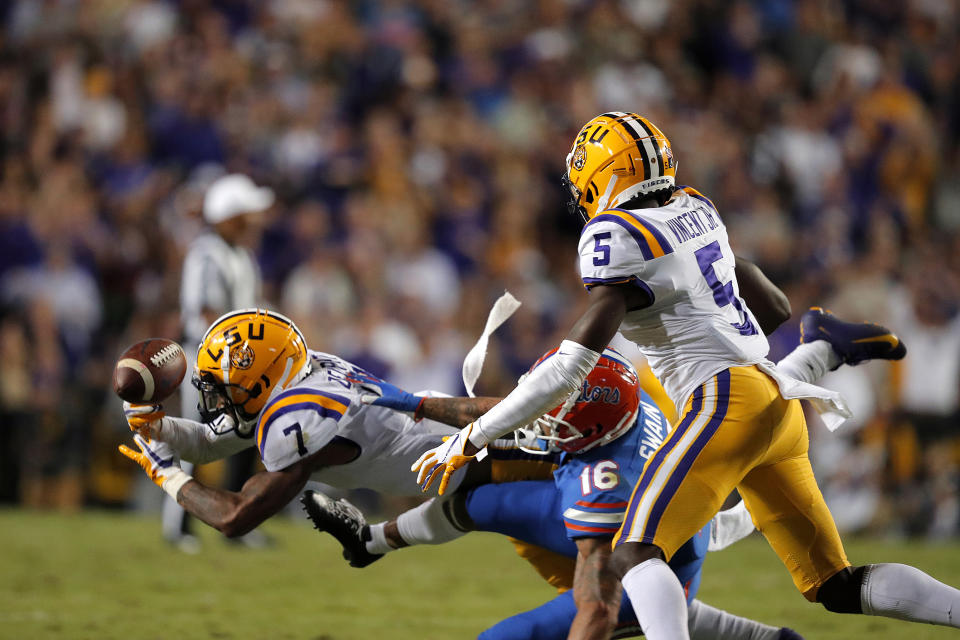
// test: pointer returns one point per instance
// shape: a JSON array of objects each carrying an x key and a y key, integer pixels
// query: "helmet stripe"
[
  {"x": 643, "y": 123},
  {"x": 641, "y": 147}
]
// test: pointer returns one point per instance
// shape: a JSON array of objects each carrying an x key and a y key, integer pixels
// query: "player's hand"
[
  {"x": 384, "y": 394},
  {"x": 144, "y": 419},
  {"x": 443, "y": 461},
  {"x": 157, "y": 459}
]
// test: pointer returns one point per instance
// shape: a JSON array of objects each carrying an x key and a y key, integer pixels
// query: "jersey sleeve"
[
  {"x": 298, "y": 423},
  {"x": 590, "y": 510}
]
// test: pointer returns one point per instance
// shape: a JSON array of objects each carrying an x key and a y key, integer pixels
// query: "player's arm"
[
  {"x": 238, "y": 513},
  {"x": 596, "y": 591},
  {"x": 563, "y": 373},
  {"x": 263, "y": 495},
  {"x": 193, "y": 441},
  {"x": 769, "y": 304},
  {"x": 546, "y": 387},
  {"x": 457, "y": 412},
  {"x": 232, "y": 513}
]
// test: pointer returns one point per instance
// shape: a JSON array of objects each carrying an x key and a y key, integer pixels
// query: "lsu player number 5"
[{"x": 656, "y": 260}]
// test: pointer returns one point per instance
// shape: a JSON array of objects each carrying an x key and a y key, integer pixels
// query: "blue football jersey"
[{"x": 595, "y": 485}]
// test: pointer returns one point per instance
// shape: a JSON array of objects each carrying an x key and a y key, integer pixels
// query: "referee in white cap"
[{"x": 220, "y": 273}]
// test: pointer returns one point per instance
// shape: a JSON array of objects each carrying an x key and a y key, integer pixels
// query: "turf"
[{"x": 106, "y": 575}]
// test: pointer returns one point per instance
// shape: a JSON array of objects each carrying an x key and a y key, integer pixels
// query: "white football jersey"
[
  {"x": 326, "y": 406},
  {"x": 679, "y": 253}
]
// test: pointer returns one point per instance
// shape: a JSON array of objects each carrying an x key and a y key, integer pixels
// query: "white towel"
[{"x": 829, "y": 404}]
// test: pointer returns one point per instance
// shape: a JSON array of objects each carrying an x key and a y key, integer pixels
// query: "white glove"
[
  {"x": 159, "y": 462},
  {"x": 445, "y": 459}
]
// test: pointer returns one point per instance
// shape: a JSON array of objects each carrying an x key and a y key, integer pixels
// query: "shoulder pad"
[
  {"x": 312, "y": 405},
  {"x": 650, "y": 242}
]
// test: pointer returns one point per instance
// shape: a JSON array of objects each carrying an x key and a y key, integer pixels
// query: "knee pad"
[{"x": 841, "y": 592}]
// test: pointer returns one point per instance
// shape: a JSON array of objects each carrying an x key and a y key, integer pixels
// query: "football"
[{"x": 149, "y": 371}]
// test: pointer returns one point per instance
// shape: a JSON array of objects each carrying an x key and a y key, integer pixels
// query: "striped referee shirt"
[{"x": 217, "y": 278}]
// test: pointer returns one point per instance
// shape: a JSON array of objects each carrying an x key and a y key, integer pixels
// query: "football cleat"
[
  {"x": 344, "y": 522},
  {"x": 789, "y": 634},
  {"x": 854, "y": 342}
]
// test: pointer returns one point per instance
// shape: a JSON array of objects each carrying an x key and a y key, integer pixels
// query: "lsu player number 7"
[
  {"x": 260, "y": 386},
  {"x": 657, "y": 263}
]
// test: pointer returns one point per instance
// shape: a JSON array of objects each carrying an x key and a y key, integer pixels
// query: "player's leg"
[
  {"x": 427, "y": 523},
  {"x": 827, "y": 342},
  {"x": 525, "y": 510},
  {"x": 553, "y": 619},
  {"x": 710, "y": 623},
  {"x": 790, "y": 511},
  {"x": 682, "y": 486},
  {"x": 892, "y": 591}
]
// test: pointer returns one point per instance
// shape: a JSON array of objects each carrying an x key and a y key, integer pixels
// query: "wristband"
[
  {"x": 174, "y": 481},
  {"x": 418, "y": 412}
]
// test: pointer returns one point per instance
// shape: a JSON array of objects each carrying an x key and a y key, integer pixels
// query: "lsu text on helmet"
[
  {"x": 245, "y": 357},
  {"x": 615, "y": 157},
  {"x": 602, "y": 410}
]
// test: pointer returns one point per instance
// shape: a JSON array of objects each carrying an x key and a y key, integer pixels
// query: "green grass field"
[{"x": 107, "y": 576}]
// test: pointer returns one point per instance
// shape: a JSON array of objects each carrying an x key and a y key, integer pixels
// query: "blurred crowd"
[{"x": 416, "y": 149}]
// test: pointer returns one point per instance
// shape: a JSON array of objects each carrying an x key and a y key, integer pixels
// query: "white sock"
[
  {"x": 729, "y": 526},
  {"x": 658, "y": 600},
  {"x": 906, "y": 593},
  {"x": 810, "y": 361},
  {"x": 378, "y": 539},
  {"x": 427, "y": 524},
  {"x": 710, "y": 623}
]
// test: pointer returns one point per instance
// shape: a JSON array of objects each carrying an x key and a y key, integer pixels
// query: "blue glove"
[{"x": 383, "y": 394}]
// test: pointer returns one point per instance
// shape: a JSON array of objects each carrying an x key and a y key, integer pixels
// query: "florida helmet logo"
[
  {"x": 579, "y": 157},
  {"x": 242, "y": 357}
]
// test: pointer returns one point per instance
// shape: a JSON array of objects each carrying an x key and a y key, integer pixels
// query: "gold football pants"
[{"x": 738, "y": 432}]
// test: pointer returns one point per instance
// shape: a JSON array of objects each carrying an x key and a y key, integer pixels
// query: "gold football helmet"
[
  {"x": 616, "y": 157},
  {"x": 244, "y": 358}
]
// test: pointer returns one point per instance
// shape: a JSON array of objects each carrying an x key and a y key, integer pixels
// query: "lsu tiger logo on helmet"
[
  {"x": 602, "y": 410},
  {"x": 244, "y": 358},
  {"x": 615, "y": 157}
]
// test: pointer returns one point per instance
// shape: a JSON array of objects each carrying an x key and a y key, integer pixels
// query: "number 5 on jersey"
[{"x": 603, "y": 249}]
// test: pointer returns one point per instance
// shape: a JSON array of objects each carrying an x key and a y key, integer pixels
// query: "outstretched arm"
[
  {"x": 596, "y": 591},
  {"x": 263, "y": 495},
  {"x": 457, "y": 412},
  {"x": 768, "y": 303},
  {"x": 191, "y": 440},
  {"x": 559, "y": 376},
  {"x": 238, "y": 513},
  {"x": 547, "y": 386},
  {"x": 197, "y": 443}
]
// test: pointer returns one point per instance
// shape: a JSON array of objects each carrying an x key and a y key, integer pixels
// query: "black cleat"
[
  {"x": 789, "y": 634},
  {"x": 344, "y": 522},
  {"x": 854, "y": 342}
]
